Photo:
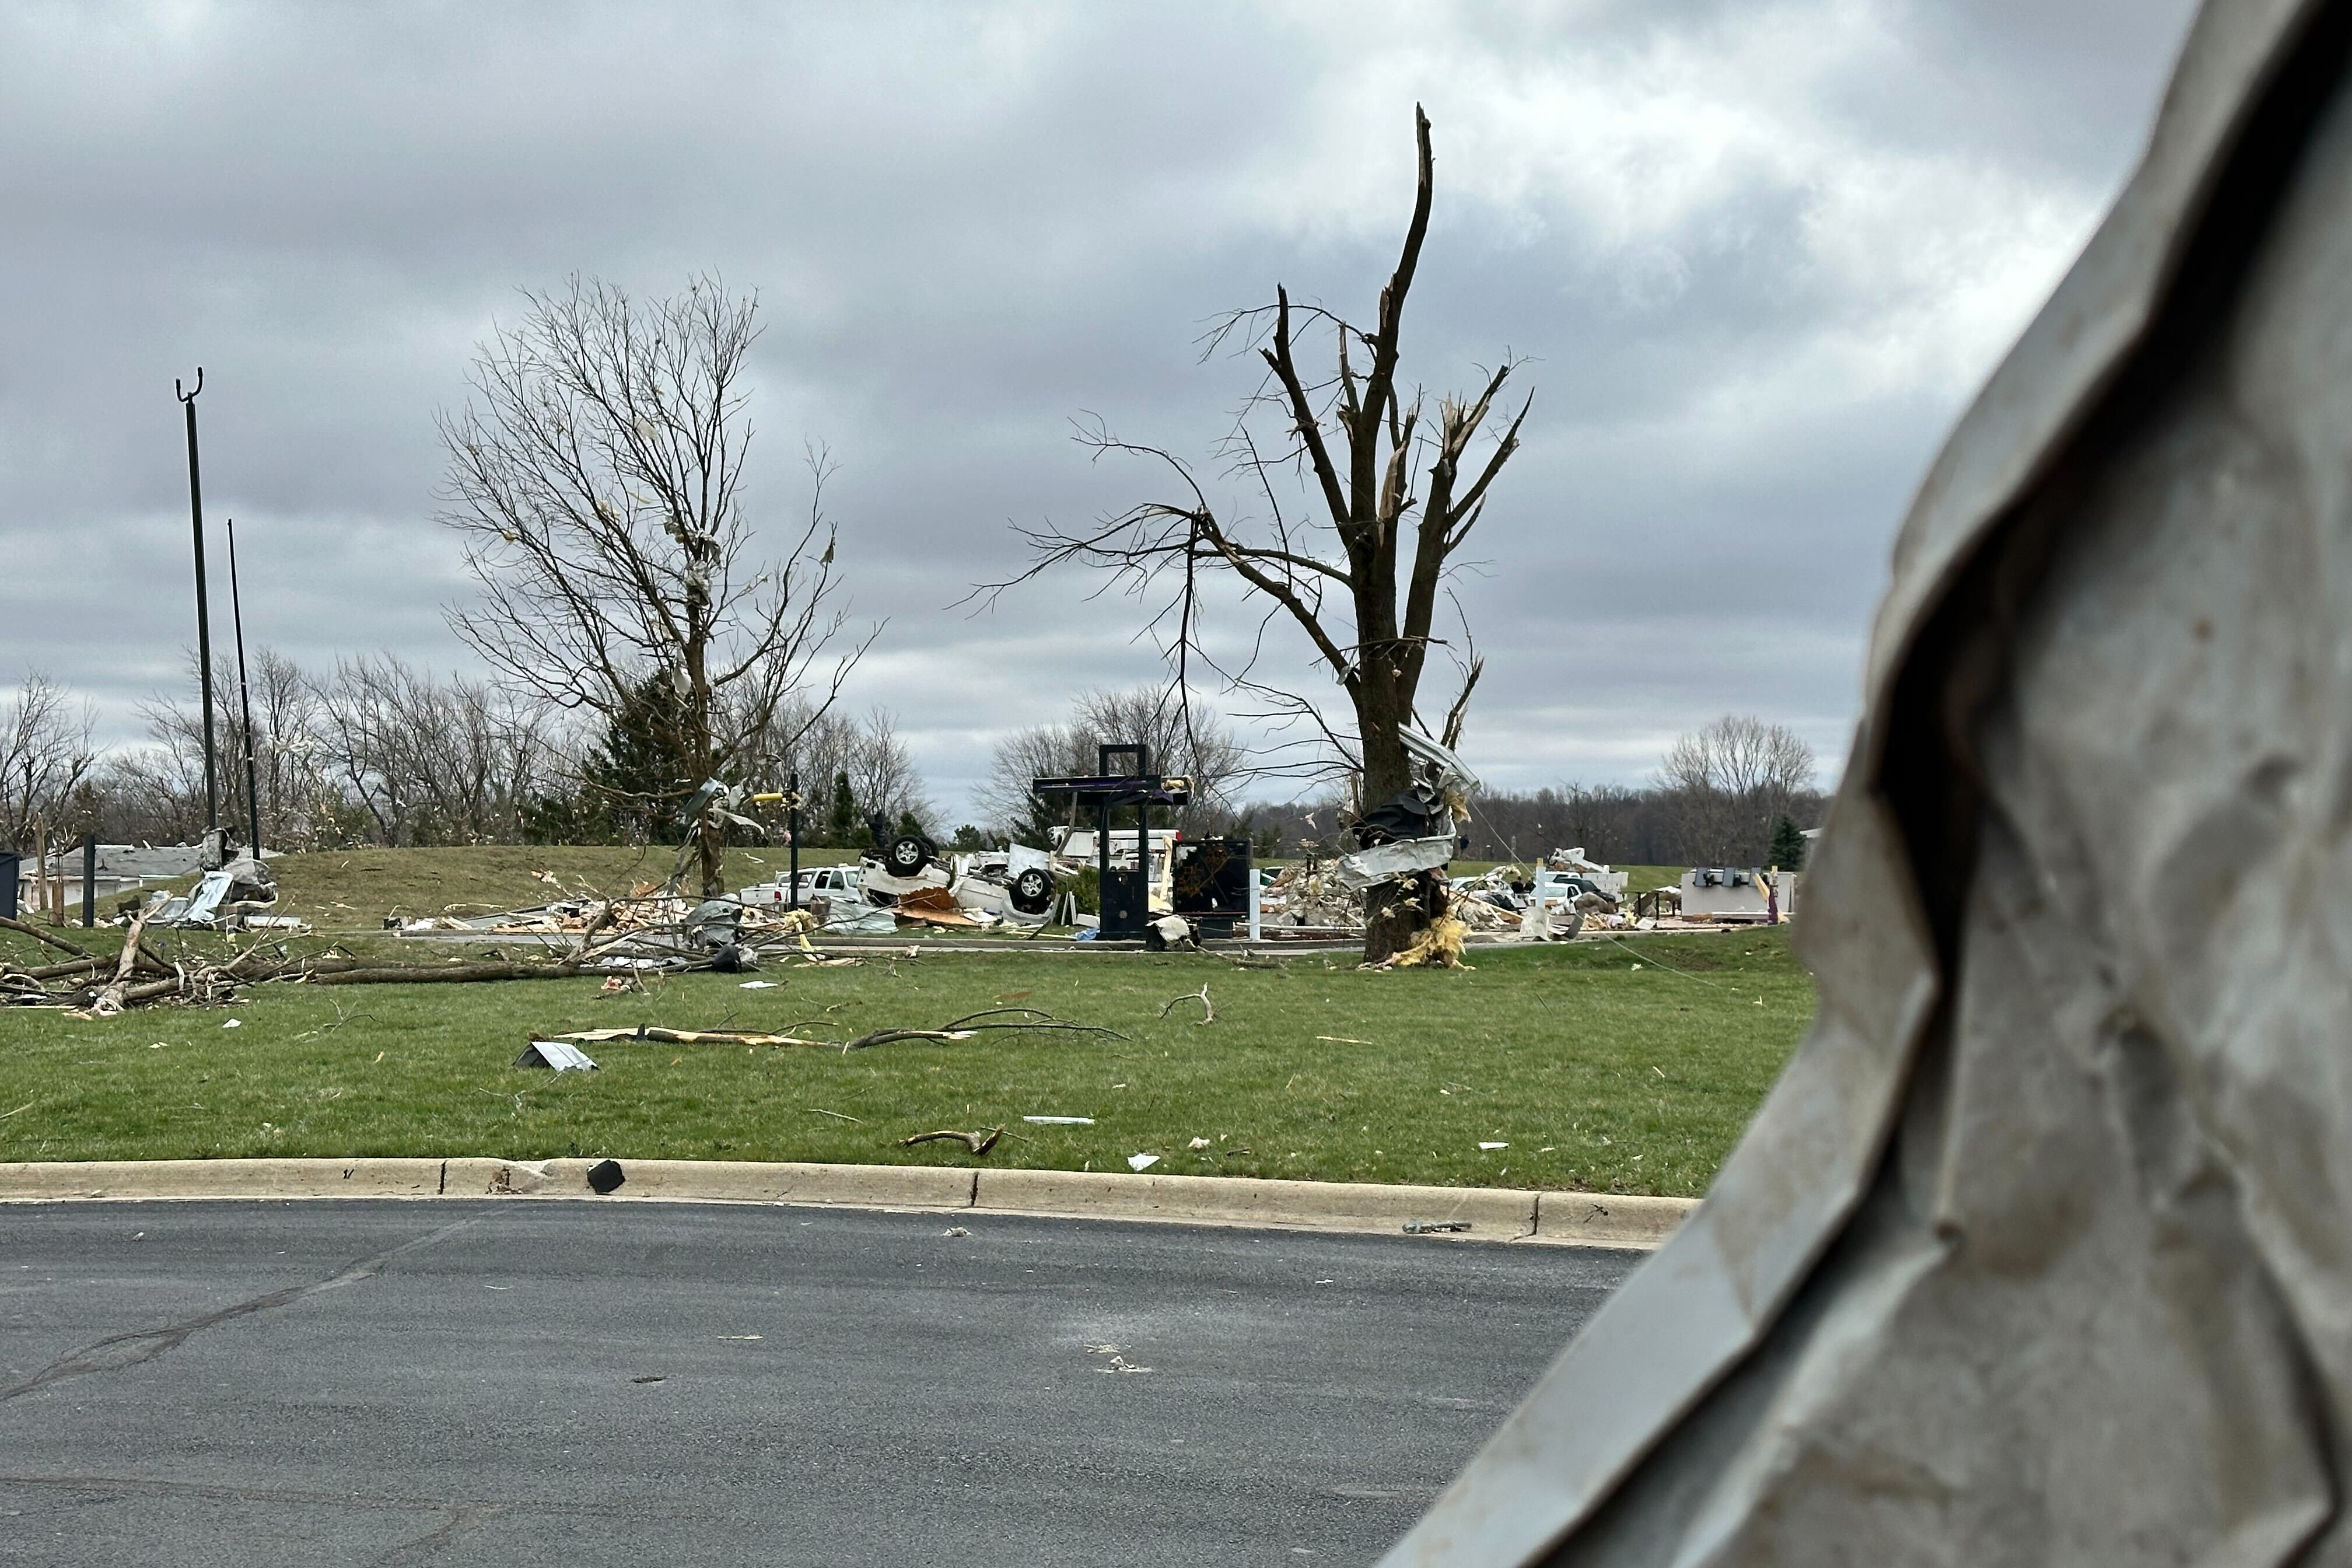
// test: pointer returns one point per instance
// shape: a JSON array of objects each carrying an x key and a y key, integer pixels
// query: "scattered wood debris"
[{"x": 963, "y": 1028}]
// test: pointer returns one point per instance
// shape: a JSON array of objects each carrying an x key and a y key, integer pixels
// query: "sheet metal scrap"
[{"x": 244, "y": 886}]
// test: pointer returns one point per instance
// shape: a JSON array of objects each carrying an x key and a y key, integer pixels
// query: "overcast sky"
[{"x": 1759, "y": 256}]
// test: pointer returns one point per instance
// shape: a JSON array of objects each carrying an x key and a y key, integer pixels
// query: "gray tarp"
[{"x": 2041, "y": 1249}]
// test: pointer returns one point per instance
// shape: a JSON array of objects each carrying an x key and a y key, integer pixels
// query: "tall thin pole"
[
  {"x": 203, "y": 615},
  {"x": 243, "y": 696},
  {"x": 793, "y": 832}
]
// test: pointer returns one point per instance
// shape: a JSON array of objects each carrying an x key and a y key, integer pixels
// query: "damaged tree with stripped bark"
[{"x": 1392, "y": 490}]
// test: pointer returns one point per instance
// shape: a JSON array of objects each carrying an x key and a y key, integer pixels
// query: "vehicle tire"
[
  {"x": 1033, "y": 892},
  {"x": 907, "y": 856}
]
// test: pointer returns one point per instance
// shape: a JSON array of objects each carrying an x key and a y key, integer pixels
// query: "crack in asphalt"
[
  {"x": 432, "y": 1539},
  {"x": 116, "y": 1351},
  {"x": 461, "y": 1509}
]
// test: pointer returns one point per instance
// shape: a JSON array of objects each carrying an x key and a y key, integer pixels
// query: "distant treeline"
[
  {"x": 377, "y": 751},
  {"x": 1657, "y": 826}
]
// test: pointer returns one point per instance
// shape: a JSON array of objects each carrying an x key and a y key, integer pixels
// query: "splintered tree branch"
[
  {"x": 111, "y": 1000},
  {"x": 1208, "y": 1009}
]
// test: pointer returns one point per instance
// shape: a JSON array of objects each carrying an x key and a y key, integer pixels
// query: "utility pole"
[
  {"x": 243, "y": 698},
  {"x": 203, "y": 622}
]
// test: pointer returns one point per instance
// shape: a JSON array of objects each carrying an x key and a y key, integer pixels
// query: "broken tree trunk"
[
  {"x": 1396, "y": 914},
  {"x": 111, "y": 1000}
]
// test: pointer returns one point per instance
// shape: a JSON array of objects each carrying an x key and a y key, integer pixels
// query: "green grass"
[{"x": 1599, "y": 1074}]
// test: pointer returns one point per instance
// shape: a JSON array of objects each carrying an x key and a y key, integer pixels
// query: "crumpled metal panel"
[
  {"x": 1392, "y": 861},
  {"x": 2041, "y": 1249}
]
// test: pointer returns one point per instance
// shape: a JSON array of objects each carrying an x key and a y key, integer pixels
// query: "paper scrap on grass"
[
  {"x": 1141, "y": 1161},
  {"x": 1061, "y": 1120},
  {"x": 1494, "y": 1145}
]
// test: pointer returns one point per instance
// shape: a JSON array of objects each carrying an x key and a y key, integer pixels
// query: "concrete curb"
[{"x": 1493, "y": 1214}]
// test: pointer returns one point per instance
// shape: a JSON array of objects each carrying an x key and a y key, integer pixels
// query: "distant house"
[{"x": 121, "y": 868}]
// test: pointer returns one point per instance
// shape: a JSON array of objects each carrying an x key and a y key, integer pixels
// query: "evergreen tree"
[
  {"x": 638, "y": 779},
  {"x": 1044, "y": 819},
  {"x": 908, "y": 826},
  {"x": 841, "y": 827},
  {"x": 1788, "y": 845}
]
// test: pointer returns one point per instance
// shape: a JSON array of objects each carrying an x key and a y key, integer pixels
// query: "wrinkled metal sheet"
[
  {"x": 2040, "y": 1251},
  {"x": 1390, "y": 862}
]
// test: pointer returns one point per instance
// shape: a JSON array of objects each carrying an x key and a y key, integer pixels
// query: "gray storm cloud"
[{"x": 1757, "y": 255}]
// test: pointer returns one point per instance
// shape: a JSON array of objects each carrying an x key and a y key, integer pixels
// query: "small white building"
[{"x": 1734, "y": 894}]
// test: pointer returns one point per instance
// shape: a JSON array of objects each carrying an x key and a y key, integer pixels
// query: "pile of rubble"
[{"x": 1309, "y": 894}]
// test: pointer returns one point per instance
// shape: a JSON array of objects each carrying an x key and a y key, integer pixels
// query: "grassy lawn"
[{"x": 1627, "y": 1067}]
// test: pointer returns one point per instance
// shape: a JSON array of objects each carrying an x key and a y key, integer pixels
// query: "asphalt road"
[{"x": 444, "y": 1383}]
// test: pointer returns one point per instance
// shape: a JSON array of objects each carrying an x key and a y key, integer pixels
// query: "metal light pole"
[
  {"x": 243, "y": 698},
  {"x": 793, "y": 832},
  {"x": 204, "y": 616}
]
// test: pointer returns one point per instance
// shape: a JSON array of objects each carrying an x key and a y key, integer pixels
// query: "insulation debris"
[{"x": 1438, "y": 946}]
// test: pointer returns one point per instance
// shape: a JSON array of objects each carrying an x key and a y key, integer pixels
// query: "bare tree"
[
  {"x": 1394, "y": 494},
  {"x": 1042, "y": 750},
  {"x": 45, "y": 753},
  {"x": 298, "y": 799},
  {"x": 1193, "y": 744},
  {"x": 433, "y": 762},
  {"x": 821, "y": 745},
  {"x": 882, "y": 773},
  {"x": 1730, "y": 782},
  {"x": 597, "y": 474}
]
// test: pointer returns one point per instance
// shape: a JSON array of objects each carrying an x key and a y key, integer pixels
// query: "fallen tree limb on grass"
[
  {"x": 39, "y": 935},
  {"x": 970, "y": 1024},
  {"x": 979, "y": 1142},
  {"x": 147, "y": 962},
  {"x": 962, "y": 1028},
  {"x": 690, "y": 1036},
  {"x": 427, "y": 973},
  {"x": 1208, "y": 1008}
]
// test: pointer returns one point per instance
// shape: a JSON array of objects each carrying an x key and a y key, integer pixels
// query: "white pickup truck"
[{"x": 816, "y": 881}]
